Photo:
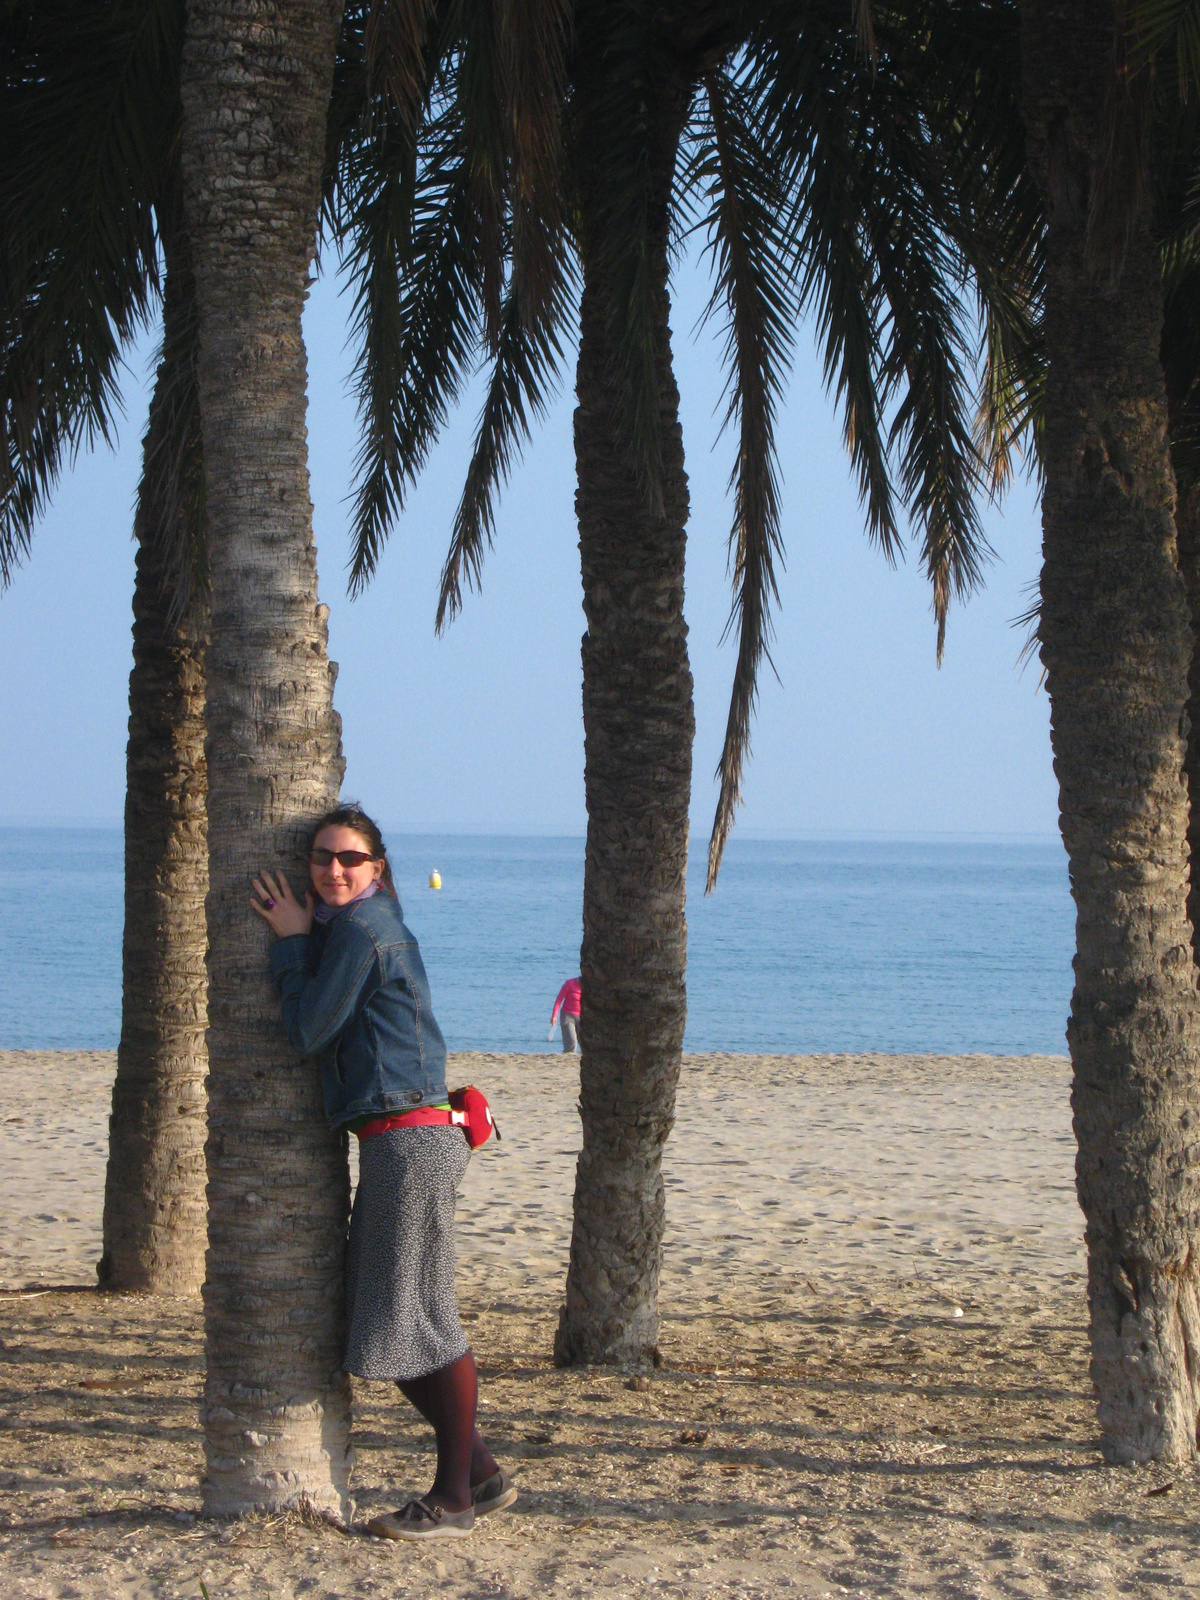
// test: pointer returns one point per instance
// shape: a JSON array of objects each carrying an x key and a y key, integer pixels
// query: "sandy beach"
[{"x": 874, "y": 1380}]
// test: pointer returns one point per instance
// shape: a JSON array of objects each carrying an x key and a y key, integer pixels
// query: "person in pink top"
[{"x": 568, "y": 1004}]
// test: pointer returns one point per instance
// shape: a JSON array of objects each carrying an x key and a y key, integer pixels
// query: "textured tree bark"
[
  {"x": 1116, "y": 646},
  {"x": 256, "y": 84},
  {"x": 638, "y": 729},
  {"x": 154, "y": 1205},
  {"x": 1187, "y": 525}
]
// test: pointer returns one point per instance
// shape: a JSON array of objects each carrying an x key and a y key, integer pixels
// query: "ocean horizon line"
[{"x": 698, "y": 840}]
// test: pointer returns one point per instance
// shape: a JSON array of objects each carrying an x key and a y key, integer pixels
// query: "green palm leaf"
[
  {"x": 526, "y": 371},
  {"x": 751, "y": 284},
  {"x": 479, "y": 88},
  {"x": 89, "y": 119},
  {"x": 862, "y": 168},
  {"x": 882, "y": 212},
  {"x": 807, "y": 81},
  {"x": 395, "y": 53},
  {"x": 413, "y": 262},
  {"x": 1171, "y": 27},
  {"x": 534, "y": 37}
]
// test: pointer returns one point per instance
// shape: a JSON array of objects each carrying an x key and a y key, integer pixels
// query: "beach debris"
[
  {"x": 692, "y": 1436},
  {"x": 640, "y": 1385},
  {"x": 957, "y": 1311},
  {"x": 435, "y": 879}
]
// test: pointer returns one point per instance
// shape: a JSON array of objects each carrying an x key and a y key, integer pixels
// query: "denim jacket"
[{"x": 355, "y": 993}]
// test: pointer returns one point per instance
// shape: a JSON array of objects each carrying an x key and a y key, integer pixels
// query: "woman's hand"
[{"x": 279, "y": 908}]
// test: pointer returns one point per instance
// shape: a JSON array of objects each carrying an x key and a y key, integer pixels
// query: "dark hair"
[{"x": 351, "y": 815}]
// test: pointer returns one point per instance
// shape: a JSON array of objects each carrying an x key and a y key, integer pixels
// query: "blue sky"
[{"x": 481, "y": 730}]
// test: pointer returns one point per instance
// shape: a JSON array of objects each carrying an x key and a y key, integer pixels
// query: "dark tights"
[{"x": 447, "y": 1399}]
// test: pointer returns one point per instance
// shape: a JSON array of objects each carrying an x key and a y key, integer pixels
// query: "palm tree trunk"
[
  {"x": 154, "y": 1206},
  {"x": 256, "y": 85},
  {"x": 638, "y": 729},
  {"x": 1187, "y": 522},
  {"x": 1116, "y": 645}
]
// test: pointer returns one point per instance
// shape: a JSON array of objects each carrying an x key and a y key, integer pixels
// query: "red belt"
[{"x": 423, "y": 1117}]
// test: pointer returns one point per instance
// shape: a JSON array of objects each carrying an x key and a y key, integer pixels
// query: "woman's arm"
[{"x": 317, "y": 1006}]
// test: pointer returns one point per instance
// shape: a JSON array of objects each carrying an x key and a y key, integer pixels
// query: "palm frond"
[
  {"x": 526, "y": 371},
  {"x": 170, "y": 516},
  {"x": 929, "y": 360},
  {"x": 1010, "y": 402},
  {"x": 89, "y": 119},
  {"x": 534, "y": 39},
  {"x": 391, "y": 56},
  {"x": 949, "y": 123},
  {"x": 812, "y": 132},
  {"x": 481, "y": 94},
  {"x": 751, "y": 283},
  {"x": 1118, "y": 190},
  {"x": 394, "y": 54},
  {"x": 1169, "y": 27},
  {"x": 1029, "y": 622},
  {"x": 413, "y": 266},
  {"x": 877, "y": 179},
  {"x": 864, "y": 28},
  {"x": 969, "y": 72},
  {"x": 348, "y": 120}
]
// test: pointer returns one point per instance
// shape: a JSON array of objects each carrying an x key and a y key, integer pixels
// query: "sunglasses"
[{"x": 344, "y": 858}]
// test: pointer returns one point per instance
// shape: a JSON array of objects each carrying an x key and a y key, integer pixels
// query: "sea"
[{"x": 807, "y": 945}]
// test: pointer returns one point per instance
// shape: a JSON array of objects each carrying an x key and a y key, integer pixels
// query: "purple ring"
[{"x": 270, "y": 904}]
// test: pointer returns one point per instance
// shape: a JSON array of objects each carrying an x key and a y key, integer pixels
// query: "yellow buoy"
[{"x": 435, "y": 879}]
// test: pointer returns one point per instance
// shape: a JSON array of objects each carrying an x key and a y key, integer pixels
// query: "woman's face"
[{"x": 338, "y": 885}]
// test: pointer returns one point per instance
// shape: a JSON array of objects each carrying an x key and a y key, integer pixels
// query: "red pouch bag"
[{"x": 470, "y": 1111}]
